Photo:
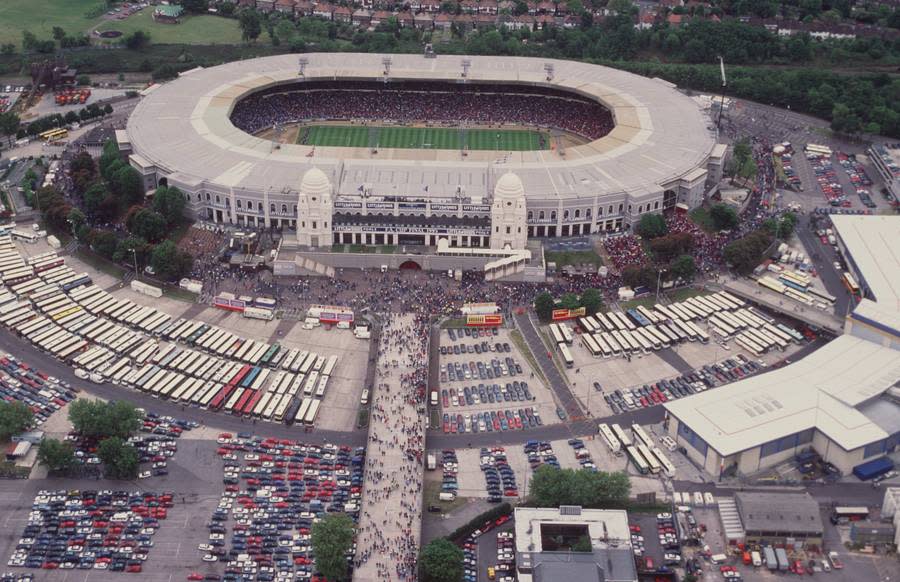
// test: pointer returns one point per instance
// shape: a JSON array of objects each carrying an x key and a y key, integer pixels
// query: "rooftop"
[
  {"x": 660, "y": 135},
  {"x": 779, "y": 512},
  {"x": 826, "y": 387}
]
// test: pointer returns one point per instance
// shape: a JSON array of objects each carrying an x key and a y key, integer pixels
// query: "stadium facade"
[{"x": 661, "y": 152}]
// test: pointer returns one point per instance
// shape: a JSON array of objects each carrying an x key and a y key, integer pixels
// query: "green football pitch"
[{"x": 437, "y": 138}]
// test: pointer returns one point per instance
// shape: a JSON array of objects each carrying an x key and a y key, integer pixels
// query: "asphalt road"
[{"x": 564, "y": 395}]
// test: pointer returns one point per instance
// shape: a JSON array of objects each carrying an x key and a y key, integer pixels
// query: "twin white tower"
[{"x": 508, "y": 229}]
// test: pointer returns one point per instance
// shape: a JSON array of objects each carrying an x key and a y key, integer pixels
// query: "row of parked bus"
[
  {"x": 640, "y": 449},
  {"x": 106, "y": 338}
]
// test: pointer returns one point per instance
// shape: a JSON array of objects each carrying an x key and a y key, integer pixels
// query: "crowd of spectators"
[
  {"x": 625, "y": 251},
  {"x": 568, "y": 113}
]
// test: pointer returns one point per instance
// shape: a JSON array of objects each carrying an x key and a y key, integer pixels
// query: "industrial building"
[
  {"x": 890, "y": 510},
  {"x": 540, "y": 558},
  {"x": 780, "y": 518},
  {"x": 836, "y": 401}
]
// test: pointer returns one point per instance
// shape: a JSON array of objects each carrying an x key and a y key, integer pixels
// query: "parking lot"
[{"x": 486, "y": 385}]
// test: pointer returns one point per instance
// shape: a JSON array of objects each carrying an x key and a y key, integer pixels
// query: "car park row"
[
  {"x": 287, "y": 487},
  {"x": 91, "y": 530},
  {"x": 67, "y": 316},
  {"x": 858, "y": 177},
  {"x": 498, "y": 475},
  {"x": 493, "y": 421},
  {"x": 450, "y": 477},
  {"x": 43, "y": 394}
]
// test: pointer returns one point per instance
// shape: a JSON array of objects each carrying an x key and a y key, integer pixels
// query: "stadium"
[{"x": 459, "y": 160}]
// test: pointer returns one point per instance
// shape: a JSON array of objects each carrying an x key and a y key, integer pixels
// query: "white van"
[{"x": 343, "y": 325}]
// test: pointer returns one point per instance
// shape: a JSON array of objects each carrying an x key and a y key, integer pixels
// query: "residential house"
[
  {"x": 265, "y": 6},
  {"x": 246, "y": 4},
  {"x": 380, "y": 16},
  {"x": 675, "y": 20},
  {"x": 485, "y": 21},
  {"x": 443, "y": 21},
  {"x": 324, "y": 10},
  {"x": 464, "y": 22},
  {"x": 423, "y": 21},
  {"x": 405, "y": 19},
  {"x": 342, "y": 14},
  {"x": 303, "y": 8},
  {"x": 285, "y": 6},
  {"x": 362, "y": 18},
  {"x": 645, "y": 21}
]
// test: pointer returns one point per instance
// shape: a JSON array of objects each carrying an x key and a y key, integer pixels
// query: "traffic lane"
[
  {"x": 218, "y": 421},
  {"x": 566, "y": 399},
  {"x": 487, "y": 550},
  {"x": 823, "y": 257}
]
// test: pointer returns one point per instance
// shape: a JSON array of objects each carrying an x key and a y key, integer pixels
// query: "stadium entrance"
[{"x": 410, "y": 266}]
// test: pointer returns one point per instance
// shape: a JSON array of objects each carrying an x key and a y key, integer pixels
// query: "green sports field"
[{"x": 437, "y": 138}]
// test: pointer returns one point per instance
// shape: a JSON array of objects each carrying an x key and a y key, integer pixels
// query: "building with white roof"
[
  {"x": 544, "y": 537},
  {"x": 833, "y": 400},
  {"x": 661, "y": 151}
]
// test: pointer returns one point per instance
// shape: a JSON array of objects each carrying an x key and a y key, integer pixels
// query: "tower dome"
[
  {"x": 509, "y": 186},
  {"x": 315, "y": 183}
]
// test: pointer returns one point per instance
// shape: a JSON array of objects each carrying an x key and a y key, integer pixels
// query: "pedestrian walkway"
[
  {"x": 563, "y": 393},
  {"x": 387, "y": 544}
]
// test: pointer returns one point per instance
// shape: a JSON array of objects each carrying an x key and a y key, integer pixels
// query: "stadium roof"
[
  {"x": 822, "y": 391},
  {"x": 660, "y": 137}
]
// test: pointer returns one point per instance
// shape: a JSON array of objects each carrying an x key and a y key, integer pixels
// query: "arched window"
[
  {"x": 295, "y": 209},
  {"x": 531, "y": 215},
  {"x": 217, "y": 199},
  {"x": 272, "y": 208},
  {"x": 207, "y": 197},
  {"x": 587, "y": 213},
  {"x": 284, "y": 208},
  {"x": 621, "y": 207},
  {"x": 656, "y": 205},
  {"x": 249, "y": 204},
  {"x": 199, "y": 196},
  {"x": 541, "y": 215},
  {"x": 552, "y": 215},
  {"x": 239, "y": 204},
  {"x": 610, "y": 211},
  {"x": 565, "y": 215}
]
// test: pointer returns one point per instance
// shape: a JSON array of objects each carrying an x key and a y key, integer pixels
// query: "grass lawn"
[
  {"x": 685, "y": 293},
  {"x": 647, "y": 302},
  {"x": 202, "y": 29},
  {"x": 432, "y": 497},
  {"x": 565, "y": 258},
  {"x": 40, "y": 16},
  {"x": 454, "y": 323},
  {"x": 516, "y": 336},
  {"x": 179, "y": 294},
  {"x": 701, "y": 218},
  {"x": 422, "y": 138},
  {"x": 99, "y": 263}
]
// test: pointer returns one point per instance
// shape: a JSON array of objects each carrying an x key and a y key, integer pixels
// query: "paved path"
[
  {"x": 559, "y": 385},
  {"x": 390, "y": 522}
]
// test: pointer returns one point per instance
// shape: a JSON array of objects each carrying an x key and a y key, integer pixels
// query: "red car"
[{"x": 195, "y": 576}]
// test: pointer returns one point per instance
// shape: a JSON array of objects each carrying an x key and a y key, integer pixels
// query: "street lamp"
[
  {"x": 74, "y": 237},
  {"x": 658, "y": 280},
  {"x": 137, "y": 273}
]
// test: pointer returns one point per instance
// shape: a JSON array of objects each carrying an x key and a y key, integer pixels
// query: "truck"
[
  {"x": 771, "y": 560},
  {"x": 755, "y": 559},
  {"x": 872, "y": 469},
  {"x": 447, "y": 496},
  {"x": 433, "y": 399},
  {"x": 783, "y": 563},
  {"x": 431, "y": 462}
]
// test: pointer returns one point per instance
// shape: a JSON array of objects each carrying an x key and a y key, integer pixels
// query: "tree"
[
  {"x": 94, "y": 196},
  {"x": 109, "y": 155},
  {"x": 550, "y": 487},
  {"x": 15, "y": 417},
  {"x": 148, "y": 225},
  {"x": 286, "y": 31},
  {"x": 127, "y": 186},
  {"x": 723, "y": 217},
  {"x": 331, "y": 539},
  {"x": 94, "y": 418},
  {"x": 76, "y": 217},
  {"x": 168, "y": 262},
  {"x": 120, "y": 459},
  {"x": 745, "y": 253},
  {"x": 57, "y": 456},
  {"x": 58, "y": 33},
  {"x": 592, "y": 300},
  {"x": 195, "y": 6},
  {"x": 543, "y": 306},
  {"x": 569, "y": 301},
  {"x": 9, "y": 125},
  {"x": 105, "y": 243},
  {"x": 683, "y": 268},
  {"x": 8, "y": 49},
  {"x": 136, "y": 244},
  {"x": 621, "y": 6},
  {"x": 582, "y": 545},
  {"x": 84, "y": 80},
  {"x": 652, "y": 226},
  {"x": 250, "y": 24},
  {"x": 441, "y": 561},
  {"x": 137, "y": 40},
  {"x": 170, "y": 203}
]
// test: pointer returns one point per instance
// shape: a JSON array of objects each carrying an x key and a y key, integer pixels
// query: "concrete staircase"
[{"x": 730, "y": 518}]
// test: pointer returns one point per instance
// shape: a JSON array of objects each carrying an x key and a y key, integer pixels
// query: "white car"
[
  {"x": 144, "y": 475},
  {"x": 210, "y": 558},
  {"x": 82, "y": 374}
]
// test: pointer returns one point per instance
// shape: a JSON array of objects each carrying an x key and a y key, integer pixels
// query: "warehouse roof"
[
  {"x": 779, "y": 512},
  {"x": 820, "y": 391}
]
